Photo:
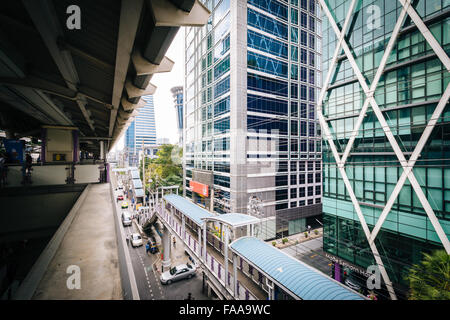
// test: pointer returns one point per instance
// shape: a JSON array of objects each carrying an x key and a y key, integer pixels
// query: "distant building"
[
  {"x": 177, "y": 93},
  {"x": 141, "y": 131},
  {"x": 161, "y": 141}
]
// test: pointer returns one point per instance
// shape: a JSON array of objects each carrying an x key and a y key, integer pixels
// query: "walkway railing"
[{"x": 214, "y": 266}]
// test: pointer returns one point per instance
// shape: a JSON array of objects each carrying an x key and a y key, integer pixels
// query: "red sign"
[{"x": 200, "y": 188}]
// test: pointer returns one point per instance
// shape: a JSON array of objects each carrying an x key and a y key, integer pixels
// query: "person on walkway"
[
  {"x": 29, "y": 162},
  {"x": 174, "y": 242},
  {"x": 189, "y": 297},
  {"x": 309, "y": 229},
  {"x": 147, "y": 247},
  {"x": 2, "y": 169}
]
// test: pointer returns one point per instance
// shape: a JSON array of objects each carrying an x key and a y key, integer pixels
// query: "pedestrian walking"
[
  {"x": 309, "y": 229},
  {"x": 147, "y": 247},
  {"x": 2, "y": 169},
  {"x": 189, "y": 297},
  {"x": 174, "y": 242}
]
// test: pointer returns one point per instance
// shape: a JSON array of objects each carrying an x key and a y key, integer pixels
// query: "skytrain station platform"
[{"x": 85, "y": 242}]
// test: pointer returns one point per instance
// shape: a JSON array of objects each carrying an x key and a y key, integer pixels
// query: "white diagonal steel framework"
[{"x": 369, "y": 92}]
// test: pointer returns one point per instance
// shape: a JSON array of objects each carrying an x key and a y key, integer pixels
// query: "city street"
[{"x": 147, "y": 279}]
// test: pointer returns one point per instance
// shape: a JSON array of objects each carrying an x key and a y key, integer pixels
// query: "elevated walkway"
[
  {"x": 258, "y": 271},
  {"x": 87, "y": 240},
  {"x": 293, "y": 276}
]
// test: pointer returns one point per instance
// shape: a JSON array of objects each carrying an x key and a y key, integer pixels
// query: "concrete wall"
[
  {"x": 54, "y": 174},
  {"x": 87, "y": 173}
]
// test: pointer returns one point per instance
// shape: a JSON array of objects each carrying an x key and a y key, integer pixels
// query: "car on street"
[
  {"x": 352, "y": 284},
  {"x": 126, "y": 218},
  {"x": 124, "y": 205},
  {"x": 119, "y": 197},
  {"x": 179, "y": 272},
  {"x": 355, "y": 282},
  {"x": 136, "y": 240}
]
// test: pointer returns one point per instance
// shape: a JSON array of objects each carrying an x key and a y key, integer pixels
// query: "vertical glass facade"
[
  {"x": 177, "y": 93},
  {"x": 283, "y": 77},
  {"x": 207, "y": 102},
  {"x": 407, "y": 94},
  {"x": 279, "y": 85},
  {"x": 141, "y": 130}
]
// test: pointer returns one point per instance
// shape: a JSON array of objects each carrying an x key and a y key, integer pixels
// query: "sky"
[{"x": 165, "y": 115}]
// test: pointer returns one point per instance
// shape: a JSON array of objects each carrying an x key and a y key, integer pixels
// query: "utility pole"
[{"x": 143, "y": 170}]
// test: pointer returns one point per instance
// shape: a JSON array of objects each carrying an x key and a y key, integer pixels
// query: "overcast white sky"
[{"x": 165, "y": 115}]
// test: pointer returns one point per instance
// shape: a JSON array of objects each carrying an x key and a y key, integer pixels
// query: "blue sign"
[{"x": 15, "y": 150}]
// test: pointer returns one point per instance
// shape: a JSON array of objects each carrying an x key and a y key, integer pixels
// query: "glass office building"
[
  {"x": 141, "y": 131},
  {"x": 177, "y": 93},
  {"x": 251, "y": 130},
  {"x": 410, "y": 88}
]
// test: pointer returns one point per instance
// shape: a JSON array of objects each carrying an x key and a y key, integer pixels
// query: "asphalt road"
[{"x": 147, "y": 280}]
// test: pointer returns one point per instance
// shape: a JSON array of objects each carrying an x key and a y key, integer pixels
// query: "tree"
[
  {"x": 166, "y": 169},
  {"x": 430, "y": 280}
]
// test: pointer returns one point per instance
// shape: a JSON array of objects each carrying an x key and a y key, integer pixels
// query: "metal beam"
[
  {"x": 135, "y": 92},
  {"x": 130, "y": 14},
  {"x": 44, "y": 17},
  {"x": 145, "y": 67},
  {"x": 51, "y": 87},
  {"x": 342, "y": 44},
  {"x": 86, "y": 56},
  {"x": 169, "y": 15}
]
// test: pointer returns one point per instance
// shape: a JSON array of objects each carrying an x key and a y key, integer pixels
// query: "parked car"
[
  {"x": 355, "y": 282},
  {"x": 119, "y": 197},
  {"x": 179, "y": 272},
  {"x": 126, "y": 218},
  {"x": 351, "y": 284},
  {"x": 136, "y": 240},
  {"x": 124, "y": 205}
]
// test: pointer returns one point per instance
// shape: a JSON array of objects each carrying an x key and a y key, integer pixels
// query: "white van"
[{"x": 126, "y": 218}]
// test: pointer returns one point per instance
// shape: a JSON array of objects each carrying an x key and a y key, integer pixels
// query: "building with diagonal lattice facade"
[{"x": 386, "y": 125}]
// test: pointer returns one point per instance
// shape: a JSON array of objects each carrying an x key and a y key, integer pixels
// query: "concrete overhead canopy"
[{"x": 92, "y": 75}]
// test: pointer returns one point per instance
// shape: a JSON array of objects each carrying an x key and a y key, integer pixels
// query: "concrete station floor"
[{"x": 90, "y": 244}]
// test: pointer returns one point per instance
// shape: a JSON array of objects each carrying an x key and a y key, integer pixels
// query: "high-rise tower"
[
  {"x": 177, "y": 93},
  {"x": 141, "y": 131},
  {"x": 386, "y": 123},
  {"x": 251, "y": 131}
]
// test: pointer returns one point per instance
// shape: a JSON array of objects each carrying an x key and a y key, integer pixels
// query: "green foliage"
[
  {"x": 306, "y": 234},
  {"x": 316, "y": 232},
  {"x": 274, "y": 243},
  {"x": 166, "y": 169},
  {"x": 430, "y": 280},
  {"x": 284, "y": 240}
]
